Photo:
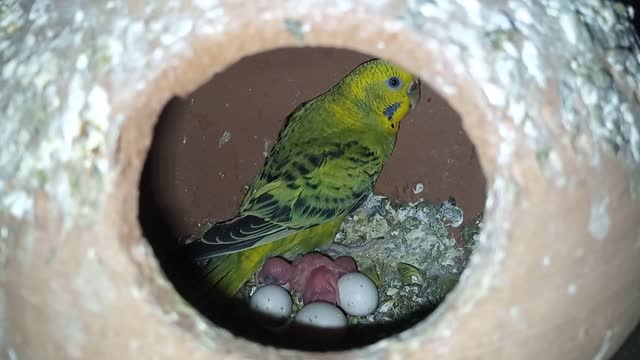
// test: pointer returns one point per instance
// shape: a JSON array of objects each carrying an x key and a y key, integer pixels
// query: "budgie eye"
[{"x": 394, "y": 82}]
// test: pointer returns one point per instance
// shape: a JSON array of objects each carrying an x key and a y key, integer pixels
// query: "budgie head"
[{"x": 384, "y": 90}]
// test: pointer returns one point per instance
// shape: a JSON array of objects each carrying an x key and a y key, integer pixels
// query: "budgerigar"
[{"x": 324, "y": 164}]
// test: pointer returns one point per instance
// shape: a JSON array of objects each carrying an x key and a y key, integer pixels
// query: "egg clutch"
[{"x": 327, "y": 289}]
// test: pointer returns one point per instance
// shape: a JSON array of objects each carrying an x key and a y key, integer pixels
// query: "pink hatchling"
[{"x": 313, "y": 275}]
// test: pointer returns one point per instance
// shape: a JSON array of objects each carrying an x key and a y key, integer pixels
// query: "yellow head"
[{"x": 384, "y": 90}]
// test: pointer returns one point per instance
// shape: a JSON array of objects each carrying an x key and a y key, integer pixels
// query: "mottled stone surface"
[{"x": 548, "y": 91}]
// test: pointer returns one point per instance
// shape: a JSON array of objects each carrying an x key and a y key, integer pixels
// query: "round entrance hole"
[{"x": 208, "y": 146}]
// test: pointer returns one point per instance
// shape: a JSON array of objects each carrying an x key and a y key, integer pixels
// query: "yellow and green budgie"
[{"x": 324, "y": 164}]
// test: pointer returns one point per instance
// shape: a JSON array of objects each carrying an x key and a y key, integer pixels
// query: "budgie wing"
[
  {"x": 298, "y": 190},
  {"x": 315, "y": 186}
]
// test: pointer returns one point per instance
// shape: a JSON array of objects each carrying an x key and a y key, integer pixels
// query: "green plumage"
[{"x": 324, "y": 164}]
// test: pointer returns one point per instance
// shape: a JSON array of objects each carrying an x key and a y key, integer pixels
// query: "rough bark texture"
[{"x": 548, "y": 92}]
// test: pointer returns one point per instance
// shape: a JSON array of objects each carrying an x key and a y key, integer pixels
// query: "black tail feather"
[{"x": 235, "y": 235}]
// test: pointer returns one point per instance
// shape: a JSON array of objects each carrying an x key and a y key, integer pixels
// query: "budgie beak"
[{"x": 414, "y": 93}]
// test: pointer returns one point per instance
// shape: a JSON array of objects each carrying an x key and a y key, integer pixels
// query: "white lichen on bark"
[{"x": 64, "y": 73}]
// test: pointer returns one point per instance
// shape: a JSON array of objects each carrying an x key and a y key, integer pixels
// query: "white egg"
[
  {"x": 322, "y": 315},
  {"x": 358, "y": 294},
  {"x": 272, "y": 301}
]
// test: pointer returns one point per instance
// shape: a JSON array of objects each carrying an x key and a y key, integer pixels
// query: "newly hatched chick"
[{"x": 313, "y": 275}]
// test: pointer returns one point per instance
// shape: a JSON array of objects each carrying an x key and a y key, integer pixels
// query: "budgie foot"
[{"x": 338, "y": 249}]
